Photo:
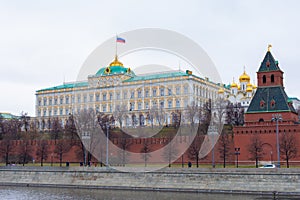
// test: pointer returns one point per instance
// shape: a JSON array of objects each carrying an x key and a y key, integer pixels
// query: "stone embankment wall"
[{"x": 186, "y": 179}]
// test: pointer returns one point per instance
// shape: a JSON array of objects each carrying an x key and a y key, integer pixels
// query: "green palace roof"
[
  {"x": 114, "y": 70},
  {"x": 157, "y": 76},
  {"x": 65, "y": 86},
  {"x": 8, "y": 116},
  {"x": 293, "y": 98}
]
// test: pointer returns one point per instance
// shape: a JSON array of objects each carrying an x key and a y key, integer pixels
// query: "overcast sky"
[{"x": 43, "y": 43}]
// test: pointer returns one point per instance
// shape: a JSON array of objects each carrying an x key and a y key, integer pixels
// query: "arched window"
[
  {"x": 262, "y": 104},
  {"x": 261, "y": 120},
  {"x": 264, "y": 79},
  {"x": 272, "y": 78},
  {"x": 272, "y": 103}
]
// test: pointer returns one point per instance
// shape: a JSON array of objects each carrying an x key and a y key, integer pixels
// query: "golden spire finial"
[
  {"x": 269, "y": 47},
  {"x": 116, "y": 62}
]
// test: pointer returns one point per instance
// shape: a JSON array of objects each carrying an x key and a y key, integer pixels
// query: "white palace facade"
[{"x": 117, "y": 87}]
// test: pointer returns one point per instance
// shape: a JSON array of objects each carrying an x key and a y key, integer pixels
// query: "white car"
[{"x": 268, "y": 166}]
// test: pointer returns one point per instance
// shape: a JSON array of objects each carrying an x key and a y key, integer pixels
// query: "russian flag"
[{"x": 121, "y": 40}]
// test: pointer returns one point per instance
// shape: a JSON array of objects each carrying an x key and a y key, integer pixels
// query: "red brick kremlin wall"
[
  {"x": 266, "y": 131},
  {"x": 241, "y": 139},
  {"x": 136, "y": 146}
]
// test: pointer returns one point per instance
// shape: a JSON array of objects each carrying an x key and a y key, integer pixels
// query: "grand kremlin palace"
[{"x": 116, "y": 86}]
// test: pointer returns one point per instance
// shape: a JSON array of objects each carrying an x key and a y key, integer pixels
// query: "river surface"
[{"x": 40, "y": 193}]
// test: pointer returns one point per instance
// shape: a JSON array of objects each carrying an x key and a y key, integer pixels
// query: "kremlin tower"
[{"x": 269, "y": 115}]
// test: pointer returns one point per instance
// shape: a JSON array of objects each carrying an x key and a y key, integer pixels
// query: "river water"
[{"x": 40, "y": 193}]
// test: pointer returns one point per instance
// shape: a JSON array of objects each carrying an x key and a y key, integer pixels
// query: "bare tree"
[
  {"x": 176, "y": 115},
  {"x": 192, "y": 113},
  {"x": 91, "y": 128},
  {"x": 170, "y": 152},
  {"x": 70, "y": 130},
  {"x": 2, "y": 122},
  {"x": 145, "y": 151},
  {"x": 25, "y": 150},
  {"x": 151, "y": 115},
  {"x": 160, "y": 115},
  {"x": 219, "y": 112},
  {"x": 225, "y": 144},
  {"x": 235, "y": 114},
  {"x": 120, "y": 113},
  {"x": 25, "y": 121},
  {"x": 10, "y": 131},
  {"x": 61, "y": 147},
  {"x": 194, "y": 149},
  {"x": 33, "y": 133},
  {"x": 124, "y": 144},
  {"x": 6, "y": 148},
  {"x": 49, "y": 124},
  {"x": 43, "y": 125},
  {"x": 205, "y": 117},
  {"x": 157, "y": 114},
  {"x": 42, "y": 151},
  {"x": 56, "y": 129},
  {"x": 288, "y": 147},
  {"x": 255, "y": 149}
]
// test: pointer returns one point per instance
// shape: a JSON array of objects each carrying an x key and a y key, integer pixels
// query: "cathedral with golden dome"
[{"x": 242, "y": 92}]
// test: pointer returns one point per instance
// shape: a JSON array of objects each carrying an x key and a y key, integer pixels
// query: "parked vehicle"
[{"x": 268, "y": 166}]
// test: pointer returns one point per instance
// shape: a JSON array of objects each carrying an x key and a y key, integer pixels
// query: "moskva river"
[{"x": 40, "y": 193}]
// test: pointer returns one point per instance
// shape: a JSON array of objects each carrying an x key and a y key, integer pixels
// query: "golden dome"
[
  {"x": 116, "y": 62},
  {"x": 249, "y": 89},
  {"x": 249, "y": 85},
  {"x": 221, "y": 91},
  {"x": 239, "y": 87},
  {"x": 233, "y": 85},
  {"x": 254, "y": 86},
  {"x": 244, "y": 77}
]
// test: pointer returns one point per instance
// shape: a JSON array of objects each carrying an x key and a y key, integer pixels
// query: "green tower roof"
[
  {"x": 270, "y": 99},
  {"x": 268, "y": 63}
]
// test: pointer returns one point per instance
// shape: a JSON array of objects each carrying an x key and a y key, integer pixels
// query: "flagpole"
[{"x": 116, "y": 45}]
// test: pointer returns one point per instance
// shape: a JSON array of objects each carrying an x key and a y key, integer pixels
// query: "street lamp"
[
  {"x": 212, "y": 129},
  {"x": 237, "y": 153},
  {"x": 51, "y": 159},
  {"x": 271, "y": 153},
  {"x": 107, "y": 135},
  {"x": 277, "y": 117}
]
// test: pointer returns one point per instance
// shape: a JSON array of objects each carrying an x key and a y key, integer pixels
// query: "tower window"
[
  {"x": 264, "y": 79},
  {"x": 272, "y": 78},
  {"x": 262, "y": 104},
  {"x": 272, "y": 103}
]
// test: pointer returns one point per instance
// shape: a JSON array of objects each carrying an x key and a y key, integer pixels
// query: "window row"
[
  {"x": 109, "y": 108},
  {"x": 108, "y": 96}
]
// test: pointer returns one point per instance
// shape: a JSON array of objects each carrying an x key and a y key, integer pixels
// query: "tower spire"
[{"x": 269, "y": 47}]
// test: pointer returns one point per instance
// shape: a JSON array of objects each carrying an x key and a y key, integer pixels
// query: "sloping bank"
[{"x": 268, "y": 181}]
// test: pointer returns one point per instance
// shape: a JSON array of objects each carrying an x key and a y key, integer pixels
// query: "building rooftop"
[
  {"x": 65, "y": 86},
  {"x": 8, "y": 116},
  {"x": 270, "y": 99},
  {"x": 269, "y": 63},
  {"x": 157, "y": 76}
]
